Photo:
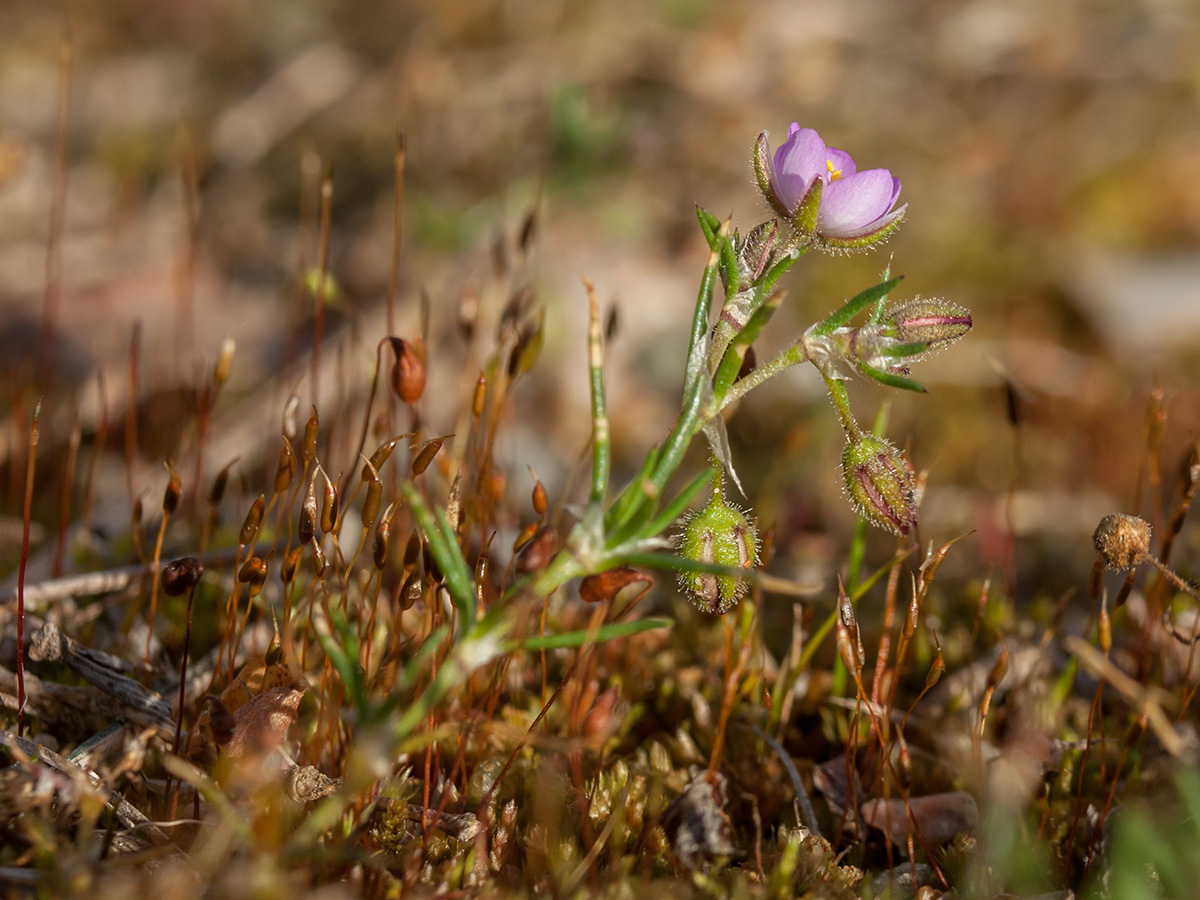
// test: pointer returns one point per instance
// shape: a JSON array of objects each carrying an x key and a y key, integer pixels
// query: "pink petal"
[
  {"x": 856, "y": 201},
  {"x": 797, "y": 163}
]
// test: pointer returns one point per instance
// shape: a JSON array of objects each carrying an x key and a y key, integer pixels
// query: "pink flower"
[{"x": 820, "y": 191}]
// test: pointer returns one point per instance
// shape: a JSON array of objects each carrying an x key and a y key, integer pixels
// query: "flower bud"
[
  {"x": 1122, "y": 541},
  {"x": 933, "y": 323},
  {"x": 720, "y": 534},
  {"x": 881, "y": 483}
]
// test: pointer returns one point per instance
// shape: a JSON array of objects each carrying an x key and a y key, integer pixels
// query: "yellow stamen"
[{"x": 834, "y": 174}]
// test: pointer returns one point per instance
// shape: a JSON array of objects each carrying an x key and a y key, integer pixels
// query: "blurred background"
[{"x": 1049, "y": 153}]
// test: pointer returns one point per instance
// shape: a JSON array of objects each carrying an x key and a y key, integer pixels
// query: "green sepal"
[
  {"x": 854, "y": 306},
  {"x": 891, "y": 379}
]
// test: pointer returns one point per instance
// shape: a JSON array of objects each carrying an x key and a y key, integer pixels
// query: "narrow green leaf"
[
  {"x": 854, "y": 306},
  {"x": 608, "y": 632}
]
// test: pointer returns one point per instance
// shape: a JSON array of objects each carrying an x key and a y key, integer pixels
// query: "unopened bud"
[
  {"x": 933, "y": 323},
  {"x": 881, "y": 484},
  {"x": 1122, "y": 541},
  {"x": 720, "y": 534},
  {"x": 408, "y": 371}
]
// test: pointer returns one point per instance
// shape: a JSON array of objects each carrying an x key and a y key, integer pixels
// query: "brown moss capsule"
[
  {"x": 606, "y": 585},
  {"x": 308, "y": 516},
  {"x": 291, "y": 564},
  {"x": 181, "y": 575},
  {"x": 381, "y": 455},
  {"x": 253, "y": 574},
  {"x": 290, "y": 424},
  {"x": 411, "y": 591},
  {"x": 224, "y": 362},
  {"x": 537, "y": 555},
  {"x": 379, "y": 547},
  {"x": 253, "y": 521},
  {"x": 408, "y": 371},
  {"x": 222, "y": 721},
  {"x": 308, "y": 446},
  {"x": 468, "y": 310},
  {"x": 426, "y": 454},
  {"x": 370, "y": 507},
  {"x": 1122, "y": 541},
  {"x": 412, "y": 550},
  {"x": 479, "y": 400},
  {"x": 539, "y": 496},
  {"x": 526, "y": 535},
  {"x": 217, "y": 493},
  {"x": 137, "y": 512},
  {"x": 285, "y": 470},
  {"x": 173, "y": 491},
  {"x": 528, "y": 347},
  {"x": 330, "y": 506},
  {"x": 320, "y": 565}
]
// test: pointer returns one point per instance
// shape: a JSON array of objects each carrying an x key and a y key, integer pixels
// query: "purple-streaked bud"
[
  {"x": 881, "y": 483},
  {"x": 934, "y": 323}
]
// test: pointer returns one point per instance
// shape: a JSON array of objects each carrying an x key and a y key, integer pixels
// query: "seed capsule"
[
  {"x": 881, "y": 484},
  {"x": 720, "y": 534}
]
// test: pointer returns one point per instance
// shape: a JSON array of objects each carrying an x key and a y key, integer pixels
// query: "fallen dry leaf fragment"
[{"x": 938, "y": 817}]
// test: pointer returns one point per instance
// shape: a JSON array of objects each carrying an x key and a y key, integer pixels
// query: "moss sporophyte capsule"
[{"x": 720, "y": 534}]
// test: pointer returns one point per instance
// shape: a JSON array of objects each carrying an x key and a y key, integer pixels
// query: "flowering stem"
[
  {"x": 601, "y": 450},
  {"x": 841, "y": 402},
  {"x": 792, "y": 356}
]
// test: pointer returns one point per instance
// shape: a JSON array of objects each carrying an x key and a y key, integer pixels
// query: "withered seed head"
[{"x": 1122, "y": 541}]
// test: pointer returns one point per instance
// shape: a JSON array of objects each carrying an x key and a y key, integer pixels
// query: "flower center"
[{"x": 834, "y": 174}]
